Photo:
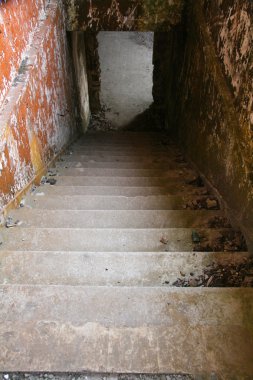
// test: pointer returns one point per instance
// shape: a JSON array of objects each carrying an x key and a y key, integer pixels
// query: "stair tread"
[
  {"x": 108, "y": 202},
  {"x": 129, "y": 191},
  {"x": 104, "y": 329},
  {"x": 145, "y": 153},
  {"x": 114, "y": 218},
  {"x": 123, "y": 158},
  {"x": 115, "y": 172},
  {"x": 90, "y": 164},
  {"x": 106, "y": 239},
  {"x": 117, "y": 181},
  {"x": 105, "y": 268}
]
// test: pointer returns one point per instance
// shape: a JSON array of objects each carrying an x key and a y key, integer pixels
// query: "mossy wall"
[{"x": 210, "y": 103}]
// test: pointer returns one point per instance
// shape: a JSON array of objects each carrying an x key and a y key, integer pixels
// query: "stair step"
[
  {"x": 164, "y": 166},
  {"x": 170, "y": 189},
  {"x": 114, "y": 218},
  {"x": 106, "y": 172},
  {"x": 121, "y": 150},
  {"x": 117, "y": 143},
  {"x": 126, "y": 141},
  {"x": 99, "y": 202},
  {"x": 116, "y": 181},
  {"x": 126, "y": 330},
  {"x": 156, "y": 153},
  {"x": 107, "y": 240},
  {"x": 124, "y": 144},
  {"x": 108, "y": 268},
  {"x": 123, "y": 136},
  {"x": 109, "y": 158}
]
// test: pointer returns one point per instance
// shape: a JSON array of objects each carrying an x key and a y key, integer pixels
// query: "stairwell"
[{"x": 114, "y": 264}]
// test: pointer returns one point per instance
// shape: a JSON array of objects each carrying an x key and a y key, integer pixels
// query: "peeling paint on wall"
[
  {"x": 18, "y": 20},
  {"x": 37, "y": 115}
]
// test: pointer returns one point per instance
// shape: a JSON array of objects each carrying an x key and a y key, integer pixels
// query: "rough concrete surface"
[{"x": 211, "y": 87}]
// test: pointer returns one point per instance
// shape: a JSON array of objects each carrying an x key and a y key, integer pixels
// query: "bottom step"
[{"x": 127, "y": 330}]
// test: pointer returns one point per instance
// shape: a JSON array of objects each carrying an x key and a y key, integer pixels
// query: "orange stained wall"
[
  {"x": 36, "y": 87},
  {"x": 18, "y": 20}
]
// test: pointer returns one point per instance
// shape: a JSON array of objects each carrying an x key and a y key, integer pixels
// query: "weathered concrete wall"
[
  {"x": 231, "y": 27},
  {"x": 213, "y": 98},
  {"x": 112, "y": 15},
  {"x": 37, "y": 114},
  {"x": 79, "y": 59}
]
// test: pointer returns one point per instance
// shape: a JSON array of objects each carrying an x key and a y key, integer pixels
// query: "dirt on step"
[
  {"x": 228, "y": 240},
  {"x": 231, "y": 275}
]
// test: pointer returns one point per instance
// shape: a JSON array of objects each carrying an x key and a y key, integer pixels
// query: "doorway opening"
[{"x": 126, "y": 75}]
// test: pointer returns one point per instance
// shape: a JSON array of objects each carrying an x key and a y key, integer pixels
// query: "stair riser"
[{"x": 106, "y": 269}]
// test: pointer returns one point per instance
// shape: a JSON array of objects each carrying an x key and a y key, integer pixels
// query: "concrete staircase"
[{"x": 89, "y": 273}]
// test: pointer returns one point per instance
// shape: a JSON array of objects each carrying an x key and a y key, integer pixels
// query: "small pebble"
[
  {"x": 211, "y": 204},
  {"x": 193, "y": 282},
  {"x": 22, "y": 203},
  {"x": 164, "y": 240}
]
